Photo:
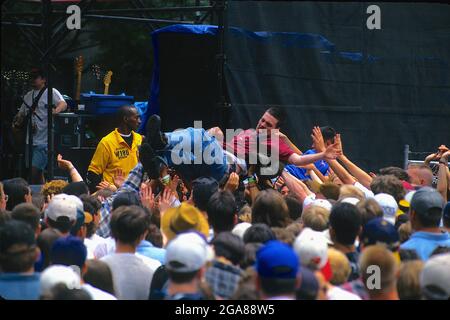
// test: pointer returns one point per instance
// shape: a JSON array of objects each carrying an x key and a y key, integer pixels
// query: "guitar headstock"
[
  {"x": 107, "y": 79},
  {"x": 79, "y": 61},
  {"x": 97, "y": 71}
]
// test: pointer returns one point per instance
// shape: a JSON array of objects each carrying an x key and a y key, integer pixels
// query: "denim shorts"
[{"x": 39, "y": 159}]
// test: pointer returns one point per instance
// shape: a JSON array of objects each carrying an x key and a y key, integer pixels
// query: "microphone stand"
[{"x": 30, "y": 139}]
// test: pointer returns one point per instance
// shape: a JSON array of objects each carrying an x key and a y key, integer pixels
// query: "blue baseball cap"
[
  {"x": 379, "y": 230},
  {"x": 446, "y": 212},
  {"x": 277, "y": 260}
]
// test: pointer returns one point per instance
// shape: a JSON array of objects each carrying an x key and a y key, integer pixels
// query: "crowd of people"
[{"x": 142, "y": 226}]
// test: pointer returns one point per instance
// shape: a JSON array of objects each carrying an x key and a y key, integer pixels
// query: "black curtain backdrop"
[{"x": 381, "y": 89}]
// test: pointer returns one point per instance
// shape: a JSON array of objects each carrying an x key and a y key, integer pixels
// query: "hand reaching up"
[
  {"x": 232, "y": 183},
  {"x": 119, "y": 178},
  {"x": 318, "y": 142},
  {"x": 64, "y": 164},
  {"x": 165, "y": 202},
  {"x": 147, "y": 197}
]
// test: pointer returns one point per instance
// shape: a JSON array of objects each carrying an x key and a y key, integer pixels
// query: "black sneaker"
[
  {"x": 150, "y": 161},
  {"x": 155, "y": 137}
]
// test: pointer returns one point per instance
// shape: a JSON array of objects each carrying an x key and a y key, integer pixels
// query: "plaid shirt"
[
  {"x": 223, "y": 279},
  {"x": 133, "y": 183}
]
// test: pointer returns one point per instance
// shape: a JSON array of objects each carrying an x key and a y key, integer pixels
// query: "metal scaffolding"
[{"x": 53, "y": 33}]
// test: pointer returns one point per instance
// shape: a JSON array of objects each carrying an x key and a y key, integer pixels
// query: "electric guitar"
[
  {"x": 78, "y": 69},
  {"x": 107, "y": 81}
]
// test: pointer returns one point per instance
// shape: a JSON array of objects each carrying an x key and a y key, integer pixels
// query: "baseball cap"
[
  {"x": 202, "y": 190},
  {"x": 312, "y": 247},
  {"x": 183, "y": 218},
  {"x": 409, "y": 196},
  {"x": 64, "y": 205},
  {"x": 309, "y": 286},
  {"x": 435, "y": 278},
  {"x": 186, "y": 253},
  {"x": 240, "y": 229},
  {"x": 59, "y": 274},
  {"x": 126, "y": 198},
  {"x": 14, "y": 232},
  {"x": 352, "y": 200},
  {"x": 446, "y": 213},
  {"x": 322, "y": 203},
  {"x": 277, "y": 260},
  {"x": 69, "y": 251},
  {"x": 425, "y": 199},
  {"x": 377, "y": 231},
  {"x": 388, "y": 205}
]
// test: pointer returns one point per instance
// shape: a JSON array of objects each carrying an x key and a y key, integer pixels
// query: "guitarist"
[{"x": 36, "y": 102}]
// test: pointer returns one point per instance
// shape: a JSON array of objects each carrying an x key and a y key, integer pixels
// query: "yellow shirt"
[{"x": 114, "y": 153}]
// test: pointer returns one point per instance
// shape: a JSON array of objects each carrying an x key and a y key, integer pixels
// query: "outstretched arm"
[
  {"x": 442, "y": 184},
  {"x": 360, "y": 175}
]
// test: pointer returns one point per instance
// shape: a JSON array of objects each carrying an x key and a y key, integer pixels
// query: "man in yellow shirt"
[{"x": 117, "y": 150}]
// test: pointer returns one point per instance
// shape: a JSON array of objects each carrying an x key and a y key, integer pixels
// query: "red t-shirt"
[{"x": 246, "y": 142}]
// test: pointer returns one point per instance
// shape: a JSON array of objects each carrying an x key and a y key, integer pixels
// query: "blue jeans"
[
  {"x": 194, "y": 153},
  {"x": 39, "y": 158}
]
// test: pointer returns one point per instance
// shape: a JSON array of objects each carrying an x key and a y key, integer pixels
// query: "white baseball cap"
[
  {"x": 435, "y": 277},
  {"x": 64, "y": 205},
  {"x": 240, "y": 229},
  {"x": 322, "y": 203},
  {"x": 312, "y": 248},
  {"x": 59, "y": 274},
  {"x": 187, "y": 252},
  {"x": 388, "y": 205},
  {"x": 352, "y": 200}
]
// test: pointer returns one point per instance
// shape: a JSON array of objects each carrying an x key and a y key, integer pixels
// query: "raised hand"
[
  {"x": 106, "y": 185},
  {"x": 319, "y": 143},
  {"x": 119, "y": 178},
  {"x": 332, "y": 152},
  {"x": 165, "y": 202},
  {"x": 147, "y": 197},
  {"x": 338, "y": 140},
  {"x": 232, "y": 182},
  {"x": 63, "y": 164}
]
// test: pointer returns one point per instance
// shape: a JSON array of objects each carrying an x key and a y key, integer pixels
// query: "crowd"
[{"x": 321, "y": 228}]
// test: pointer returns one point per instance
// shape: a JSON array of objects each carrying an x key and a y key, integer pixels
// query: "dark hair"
[
  {"x": 36, "y": 73},
  {"x": 229, "y": 246},
  {"x": 408, "y": 255},
  {"x": 440, "y": 250},
  {"x": 99, "y": 275},
  {"x": 328, "y": 133},
  {"x": 76, "y": 188},
  {"x": 154, "y": 236},
  {"x": 295, "y": 207},
  {"x": 124, "y": 111},
  {"x": 259, "y": 232},
  {"x": 270, "y": 208},
  {"x": 63, "y": 224},
  {"x": 202, "y": 190},
  {"x": 16, "y": 189},
  {"x": 277, "y": 286},
  {"x": 181, "y": 277},
  {"x": 431, "y": 218},
  {"x": 19, "y": 235},
  {"x": 27, "y": 213},
  {"x": 69, "y": 251},
  {"x": 92, "y": 205},
  {"x": 4, "y": 216},
  {"x": 278, "y": 114},
  {"x": 399, "y": 173},
  {"x": 346, "y": 222},
  {"x": 250, "y": 250},
  {"x": 129, "y": 223},
  {"x": 221, "y": 211},
  {"x": 389, "y": 184},
  {"x": 369, "y": 209},
  {"x": 127, "y": 198},
  {"x": 61, "y": 292}
]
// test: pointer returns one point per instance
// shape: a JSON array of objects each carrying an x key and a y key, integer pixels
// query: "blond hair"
[
  {"x": 316, "y": 218},
  {"x": 408, "y": 283},
  {"x": 340, "y": 266},
  {"x": 53, "y": 187},
  {"x": 348, "y": 190},
  {"x": 384, "y": 259}
]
